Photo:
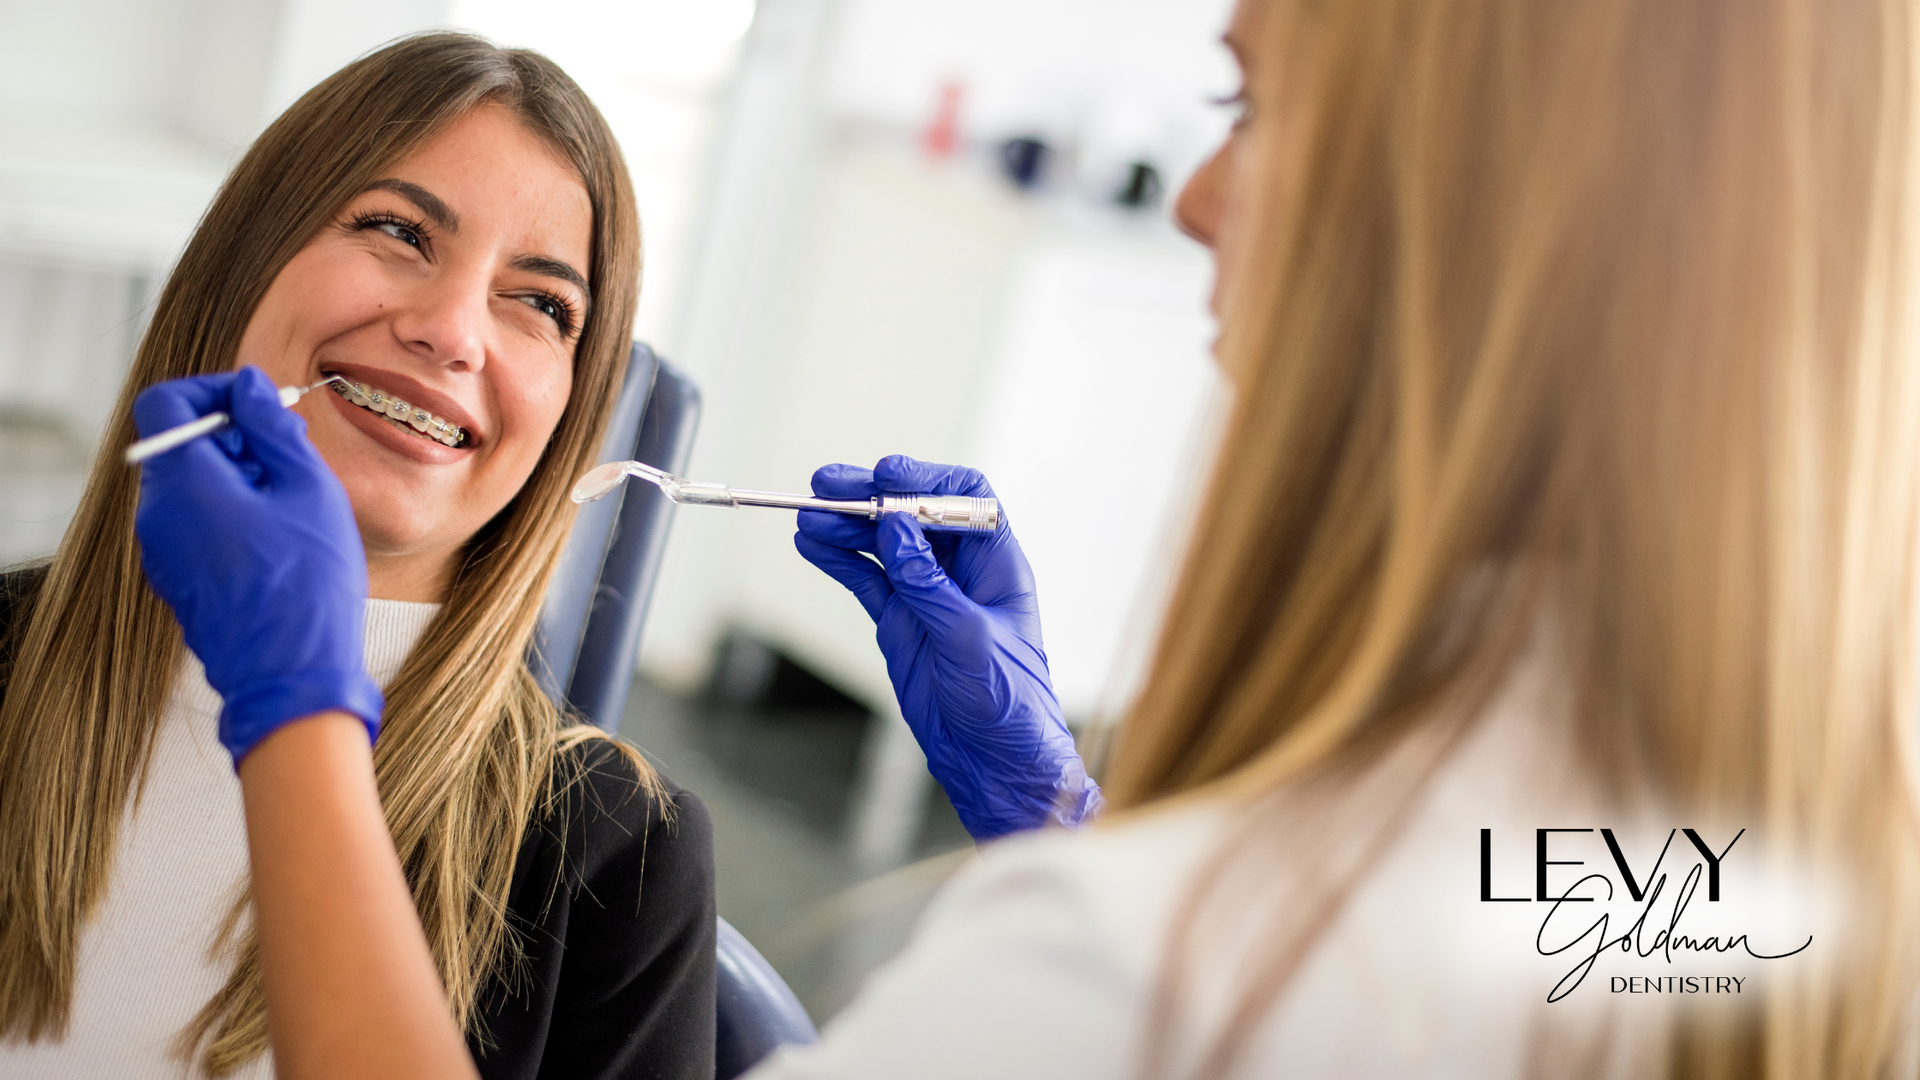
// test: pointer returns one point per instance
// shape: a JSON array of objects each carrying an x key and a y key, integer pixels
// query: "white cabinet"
[{"x": 937, "y": 314}]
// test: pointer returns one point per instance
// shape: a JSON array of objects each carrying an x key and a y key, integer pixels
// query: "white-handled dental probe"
[
  {"x": 952, "y": 511},
  {"x": 164, "y": 441}
]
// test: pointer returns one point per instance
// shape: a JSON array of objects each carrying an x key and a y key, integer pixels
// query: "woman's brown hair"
[
  {"x": 466, "y": 757},
  {"x": 1600, "y": 307}
]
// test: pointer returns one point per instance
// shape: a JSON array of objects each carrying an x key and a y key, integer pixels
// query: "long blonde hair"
[
  {"x": 469, "y": 745},
  {"x": 1613, "y": 297}
]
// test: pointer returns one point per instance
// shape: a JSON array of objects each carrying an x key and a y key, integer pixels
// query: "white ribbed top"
[{"x": 146, "y": 958}]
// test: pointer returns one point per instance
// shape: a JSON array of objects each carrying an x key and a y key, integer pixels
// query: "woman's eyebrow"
[
  {"x": 554, "y": 268},
  {"x": 429, "y": 203}
]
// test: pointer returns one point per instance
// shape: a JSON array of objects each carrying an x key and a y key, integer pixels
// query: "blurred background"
[{"x": 934, "y": 227}]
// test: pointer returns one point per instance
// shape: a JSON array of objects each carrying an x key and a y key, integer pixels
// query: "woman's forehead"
[{"x": 488, "y": 173}]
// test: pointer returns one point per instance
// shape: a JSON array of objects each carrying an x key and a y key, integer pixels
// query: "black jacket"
[{"x": 613, "y": 898}]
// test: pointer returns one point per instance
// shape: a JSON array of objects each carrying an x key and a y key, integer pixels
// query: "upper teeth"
[{"x": 419, "y": 419}]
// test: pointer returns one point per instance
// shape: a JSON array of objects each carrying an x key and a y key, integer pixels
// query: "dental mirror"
[{"x": 599, "y": 482}]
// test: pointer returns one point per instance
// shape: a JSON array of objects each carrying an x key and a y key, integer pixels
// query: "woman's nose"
[
  {"x": 1197, "y": 210},
  {"x": 446, "y": 322}
]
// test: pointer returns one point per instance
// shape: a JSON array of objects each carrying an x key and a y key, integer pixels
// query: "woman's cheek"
[
  {"x": 550, "y": 405},
  {"x": 529, "y": 428}
]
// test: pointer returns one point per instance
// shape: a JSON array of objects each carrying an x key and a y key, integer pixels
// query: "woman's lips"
[
  {"x": 388, "y": 433},
  {"x": 396, "y": 386},
  {"x": 419, "y": 419}
]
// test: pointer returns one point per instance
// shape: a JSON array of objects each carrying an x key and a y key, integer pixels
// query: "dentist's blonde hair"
[
  {"x": 469, "y": 747},
  {"x": 1607, "y": 300}
]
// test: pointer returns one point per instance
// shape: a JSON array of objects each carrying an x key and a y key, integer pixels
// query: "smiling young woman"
[
  {"x": 454, "y": 284},
  {"x": 449, "y": 226}
]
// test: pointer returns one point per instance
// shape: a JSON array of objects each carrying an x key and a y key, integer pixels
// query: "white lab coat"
[{"x": 1039, "y": 960}]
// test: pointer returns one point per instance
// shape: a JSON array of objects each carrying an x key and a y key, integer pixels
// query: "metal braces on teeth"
[{"x": 393, "y": 408}]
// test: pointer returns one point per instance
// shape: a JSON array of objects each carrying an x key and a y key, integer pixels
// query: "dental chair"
[{"x": 589, "y": 636}]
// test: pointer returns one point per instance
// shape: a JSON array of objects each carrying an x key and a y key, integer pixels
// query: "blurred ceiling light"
[
  {"x": 714, "y": 23},
  {"x": 672, "y": 46}
]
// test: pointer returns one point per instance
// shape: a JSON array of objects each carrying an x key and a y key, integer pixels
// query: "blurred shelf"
[{"x": 113, "y": 197}]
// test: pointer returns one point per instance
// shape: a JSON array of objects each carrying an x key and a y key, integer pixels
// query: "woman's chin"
[
  {"x": 404, "y": 509},
  {"x": 395, "y": 529}
]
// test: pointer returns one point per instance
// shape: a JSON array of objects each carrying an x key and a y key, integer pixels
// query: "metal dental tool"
[
  {"x": 953, "y": 511},
  {"x": 174, "y": 436}
]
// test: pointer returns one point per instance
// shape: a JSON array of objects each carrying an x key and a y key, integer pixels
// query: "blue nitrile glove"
[
  {"x": 249, "y": 537},
  {"x": 959, "y": 624}
]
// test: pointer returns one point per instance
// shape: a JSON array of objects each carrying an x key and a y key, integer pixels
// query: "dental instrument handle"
[
  {"x": 193, "y": 429},
  {"x": 176, "y": 436},
  {"x": 952, "y": 511}
]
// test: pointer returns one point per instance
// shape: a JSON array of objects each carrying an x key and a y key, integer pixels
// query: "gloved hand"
[
  {"x": 959, "y": 625},
  {"x": 249, "y": 537}
]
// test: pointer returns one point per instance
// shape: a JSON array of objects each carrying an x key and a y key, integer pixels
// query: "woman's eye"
[
  {"x": 560, "y": 313},
  {"x": 400, "y": 232},
  {"x": 1238, "y": 107},
  {"x": 410, "y": 233}
]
